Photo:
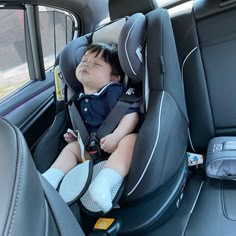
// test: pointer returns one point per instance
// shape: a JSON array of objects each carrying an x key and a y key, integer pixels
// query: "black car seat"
[
  {"x": 157, "y": 175},
  {"x": 29, "y": 205}
]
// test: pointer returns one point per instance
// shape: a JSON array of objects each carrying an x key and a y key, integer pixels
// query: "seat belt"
[
  {"x": 114, "y": 118},
  {"x": 78, "y": 123}
]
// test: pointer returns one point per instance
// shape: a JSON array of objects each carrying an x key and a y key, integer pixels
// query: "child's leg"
[
  {"x": 68, "y": 158},
  {"x": 116, "y": 168},
  {"x": 120, "y": 159}
]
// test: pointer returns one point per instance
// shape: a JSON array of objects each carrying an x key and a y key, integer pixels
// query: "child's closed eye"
[{"x": 97, "y": 64}]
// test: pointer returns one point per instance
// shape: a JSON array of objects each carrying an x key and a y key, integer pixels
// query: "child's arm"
[{"x": 126, "y": 126}]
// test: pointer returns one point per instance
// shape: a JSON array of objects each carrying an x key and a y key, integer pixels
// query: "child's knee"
[{"x": 72, "y": 147}]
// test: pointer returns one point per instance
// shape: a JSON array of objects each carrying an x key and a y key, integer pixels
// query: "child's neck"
[{"x": 90, "y": 91}]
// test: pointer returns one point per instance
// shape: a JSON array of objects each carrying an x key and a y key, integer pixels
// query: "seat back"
[
  {"x": 27, "y": 208},
  {"x": 205, "y": 39}
]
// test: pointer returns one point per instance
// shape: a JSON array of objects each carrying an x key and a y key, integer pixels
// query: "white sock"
[
  {"x": 54, "y": 176},
  {"x": 101, "y": 187}
]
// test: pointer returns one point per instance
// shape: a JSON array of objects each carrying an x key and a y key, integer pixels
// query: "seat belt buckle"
[{"x": 94, "y": 148}]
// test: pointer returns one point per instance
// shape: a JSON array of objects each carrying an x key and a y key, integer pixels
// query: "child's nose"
[{"x": 87, "y": 64}]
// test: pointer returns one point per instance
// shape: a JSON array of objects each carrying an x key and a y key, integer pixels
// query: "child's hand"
[
  {"x": 109, "y": 143},
  {"x": 70, "y": 136}
]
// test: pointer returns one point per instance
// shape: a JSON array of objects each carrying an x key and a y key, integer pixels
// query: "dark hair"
[{"x": 109, "y": 54}]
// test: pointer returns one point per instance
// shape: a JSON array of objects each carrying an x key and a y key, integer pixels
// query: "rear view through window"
[
  {"x": 13, "y": 62},
  {"x": 26, "y": 33}
]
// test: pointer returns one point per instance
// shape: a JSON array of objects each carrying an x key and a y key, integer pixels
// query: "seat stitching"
[{"x": 18, "y": 191}]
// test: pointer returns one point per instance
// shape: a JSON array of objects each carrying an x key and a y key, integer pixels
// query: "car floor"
[{"x": 207, "y": 208}]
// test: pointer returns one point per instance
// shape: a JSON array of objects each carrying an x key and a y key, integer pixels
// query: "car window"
[
  {"x": 55, "y": 28},
  {"x": 14, "y": 70}
]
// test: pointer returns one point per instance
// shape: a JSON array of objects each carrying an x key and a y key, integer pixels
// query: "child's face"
[{"x": 93, "y": 72}]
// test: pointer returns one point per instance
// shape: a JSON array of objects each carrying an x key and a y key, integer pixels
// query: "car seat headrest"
[
  {"x": 131, "y": 46},
  {"x": 110, "y": 33},
  {"x": 128, "y": 33},
  {"x": 121, "y": 8},
  {"x": 70, "y": 58}
]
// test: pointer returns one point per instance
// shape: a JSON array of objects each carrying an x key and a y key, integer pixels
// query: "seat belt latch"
[{"x": 94, "y": 148}]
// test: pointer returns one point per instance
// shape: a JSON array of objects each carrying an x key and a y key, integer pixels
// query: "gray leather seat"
[{"x": 28, "y": 205}]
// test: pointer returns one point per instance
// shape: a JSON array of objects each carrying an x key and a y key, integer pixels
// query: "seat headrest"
[
  {"x": 131, "y": 46},
  {"x": 121, "y": 8},
  {"x": 109, "y": 33},
  {"x": 128, "y": 33}
]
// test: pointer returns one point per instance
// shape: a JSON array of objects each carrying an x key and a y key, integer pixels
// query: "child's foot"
[
  {"x": 101, "y": 187},
  {"x": 101, "y": 195}
]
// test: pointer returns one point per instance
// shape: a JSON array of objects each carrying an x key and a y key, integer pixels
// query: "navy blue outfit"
[{"x": 94, "y": 108}]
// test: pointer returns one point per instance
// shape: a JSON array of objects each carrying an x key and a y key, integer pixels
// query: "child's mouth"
[{"x": 84, "y": 71}]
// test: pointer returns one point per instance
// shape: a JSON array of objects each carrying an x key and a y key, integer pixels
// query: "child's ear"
[{"x": 115, "y": 78}]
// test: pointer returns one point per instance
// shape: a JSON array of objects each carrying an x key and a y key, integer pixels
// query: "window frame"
[
  {"x": 76, "y": 24},
  {"x": 33, "y": 42}
]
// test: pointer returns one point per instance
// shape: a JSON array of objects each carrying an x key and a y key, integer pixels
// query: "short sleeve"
[
  {"x": 113, "y": 94},
  {"x": 132, "y": 109}
]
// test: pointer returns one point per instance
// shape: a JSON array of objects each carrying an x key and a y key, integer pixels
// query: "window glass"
[
  {"x": 14, "y": 70},
  {"x": 56, "y": 29}
]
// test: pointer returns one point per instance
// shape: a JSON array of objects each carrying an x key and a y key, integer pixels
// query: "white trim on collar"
[
  {"x": 99, "y": 91},
  {"x": 102, "y": 89}
]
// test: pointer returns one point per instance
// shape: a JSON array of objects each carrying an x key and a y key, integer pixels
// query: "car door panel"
[{"x": 31, "y": 108}]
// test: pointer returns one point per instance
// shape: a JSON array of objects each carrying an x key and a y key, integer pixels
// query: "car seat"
[
  {"x": 29, "y": 205},
  {"x": 154, "y": 186}
]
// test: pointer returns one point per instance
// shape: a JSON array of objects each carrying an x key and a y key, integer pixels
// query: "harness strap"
[
  {"x": 114, "y": 117},
  {"x": 78, "y": 123}
]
